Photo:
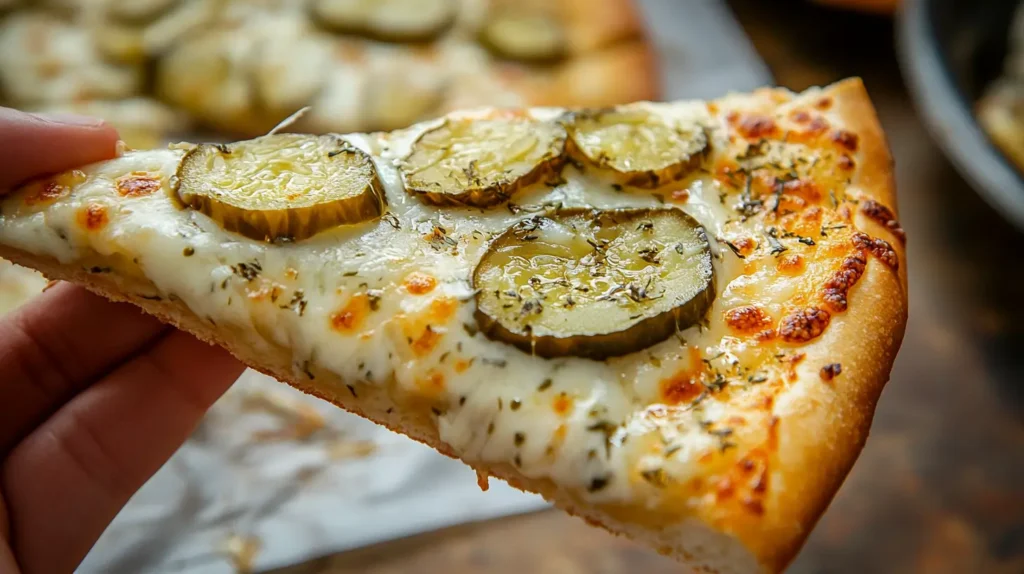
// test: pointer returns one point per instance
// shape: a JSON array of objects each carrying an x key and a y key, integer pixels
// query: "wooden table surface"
[{"x": 940, "y": 486}]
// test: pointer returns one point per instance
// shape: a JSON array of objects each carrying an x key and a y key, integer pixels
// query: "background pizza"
[{"x": 241, "y": 66}]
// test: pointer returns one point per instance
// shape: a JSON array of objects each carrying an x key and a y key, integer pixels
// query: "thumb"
[{"x": 32, "y": 145}]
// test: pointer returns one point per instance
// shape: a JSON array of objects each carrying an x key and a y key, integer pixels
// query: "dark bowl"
[{"x": 950, "y": 50}]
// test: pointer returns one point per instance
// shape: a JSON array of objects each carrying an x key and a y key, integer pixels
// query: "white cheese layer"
[{"x": 587, "y": 425}]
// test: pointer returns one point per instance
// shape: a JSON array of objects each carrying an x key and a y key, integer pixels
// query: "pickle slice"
[
  {"x": 281, "y": 187},
  {"x": 645, "y": 149},
  {"x": 138, "y": 11},
  {"x": 290, "y": 71},
  {"x": 528, "y": 36},
  {"x": 132, "y": 32},
  {"x": 387, "y": 20},
  {"x": 482, "y": 162},
  {"x": 395, "y": 98},
  {"x": 594, "y": 284}
]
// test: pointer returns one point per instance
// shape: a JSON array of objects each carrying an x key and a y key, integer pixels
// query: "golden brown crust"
[
  {"x": 593, "y": 80},
  {"x": 822, "y": 432},
  {"x": 595, "y": 25}
]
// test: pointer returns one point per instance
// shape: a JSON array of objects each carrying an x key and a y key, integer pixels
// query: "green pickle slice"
[
  {"x": 482, "y": 162},
  {"x": 524, "y": 35},
  {"x": 406, "y": 21},
  {"x": 281, "y": 187},
  {"x": 139, "y": 11},
  {"x": 646, "y": 149},
  {"x": 592, "y": 283}
]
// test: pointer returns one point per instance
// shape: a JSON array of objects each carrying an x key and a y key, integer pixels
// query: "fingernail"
[{"x": 70, "y": 119}]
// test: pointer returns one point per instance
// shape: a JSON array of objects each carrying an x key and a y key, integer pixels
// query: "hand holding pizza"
[{"x": 94, "y": 395}]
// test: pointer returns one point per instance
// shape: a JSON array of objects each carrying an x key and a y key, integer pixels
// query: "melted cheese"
[{"x": 391, "y": 301}]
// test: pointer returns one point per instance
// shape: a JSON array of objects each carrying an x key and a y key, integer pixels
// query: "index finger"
[{"x": 32, "y": 145}]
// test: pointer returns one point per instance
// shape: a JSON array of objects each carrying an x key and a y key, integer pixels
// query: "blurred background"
[{"x": 274, "y": 481}]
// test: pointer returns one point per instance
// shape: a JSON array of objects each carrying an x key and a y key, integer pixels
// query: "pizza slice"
[{"x": 671, "y": 319}]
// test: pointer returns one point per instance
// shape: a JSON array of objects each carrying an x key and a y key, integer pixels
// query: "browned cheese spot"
[
  {"x": 562, "y": 404},
  {"x": 884, "y": 216},
  {"x": 425, "y": 342},
  {"x": 846, "y": 162},
  {"x": 838, "y": 286},
  {"x": 685, "y": 385},
  {"x": 746, "y": 482},
  {"x": 800, "y": 116},
  {"x": 791, "y": 263},
  {"x": 93, "y": 217},
  {"x": 804, "y": 188},
  {"x": 844, "y": 212},
  {"x": 747, "y": 319},
  {"x": 745, "y": 246},
  {"x": 420, "y": 283},
  {"x": 441, "y": 309},
  {"x": 804, "y": 325},
  {"x": 431, "y": 385},
  {"x": 830, "y": 371},
  {"x": 817, "y": 126},
  {"x": 757, "y": 127},
  {"x": 46, "y": 192},
  {"x": 681, "y": 388},
  {"x": 845, "y": 139},
  {"x": 351, "y": 316},
  {"x": 680, "y": 195},
  {"x": 137, "y": 184},
  {"x": 812, "y": 213},
  {"x": 880, "y": 248},
  {"x": 824, "y": 103}
]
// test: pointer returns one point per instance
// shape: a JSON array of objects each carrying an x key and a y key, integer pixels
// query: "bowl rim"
[{"x": 949, "y": 117}]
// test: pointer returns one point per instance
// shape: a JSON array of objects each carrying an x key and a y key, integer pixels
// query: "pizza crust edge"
[
  {"x": 603, "y": 70},
  {"x": 816, "y": 447}
]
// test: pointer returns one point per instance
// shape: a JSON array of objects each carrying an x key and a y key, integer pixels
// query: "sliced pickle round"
[
  {"x": 645, "y": 149},
  {"x": 408, "y": 21},
  {"x": 394, "y": 98},
  {"x": 528, "y": 36},
  {"x": 281, "y": 187},
  {"x": 138, "y": 11},
  {"x": 482, "y": 162},
  {"x": 205, "y": 78},
  {"x": 592, "y": 283},
  {"x": 122, "y": 44},
  {"x": 290, "y": 71}
]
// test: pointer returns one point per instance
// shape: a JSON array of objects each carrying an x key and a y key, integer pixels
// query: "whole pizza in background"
[{"x": 241, "y": 66}]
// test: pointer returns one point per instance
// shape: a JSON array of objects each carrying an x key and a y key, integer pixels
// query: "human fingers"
[
  {"x": 32, "y": 145},
  {"x": 57, "y": 344},
  {"x": 67, "y": 480}
]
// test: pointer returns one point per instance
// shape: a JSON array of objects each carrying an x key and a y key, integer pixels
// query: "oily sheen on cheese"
[{"x": 683, "y": 443}]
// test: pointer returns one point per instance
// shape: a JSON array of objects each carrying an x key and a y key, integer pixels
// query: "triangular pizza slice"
[{"x": 671, "y": 319}]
